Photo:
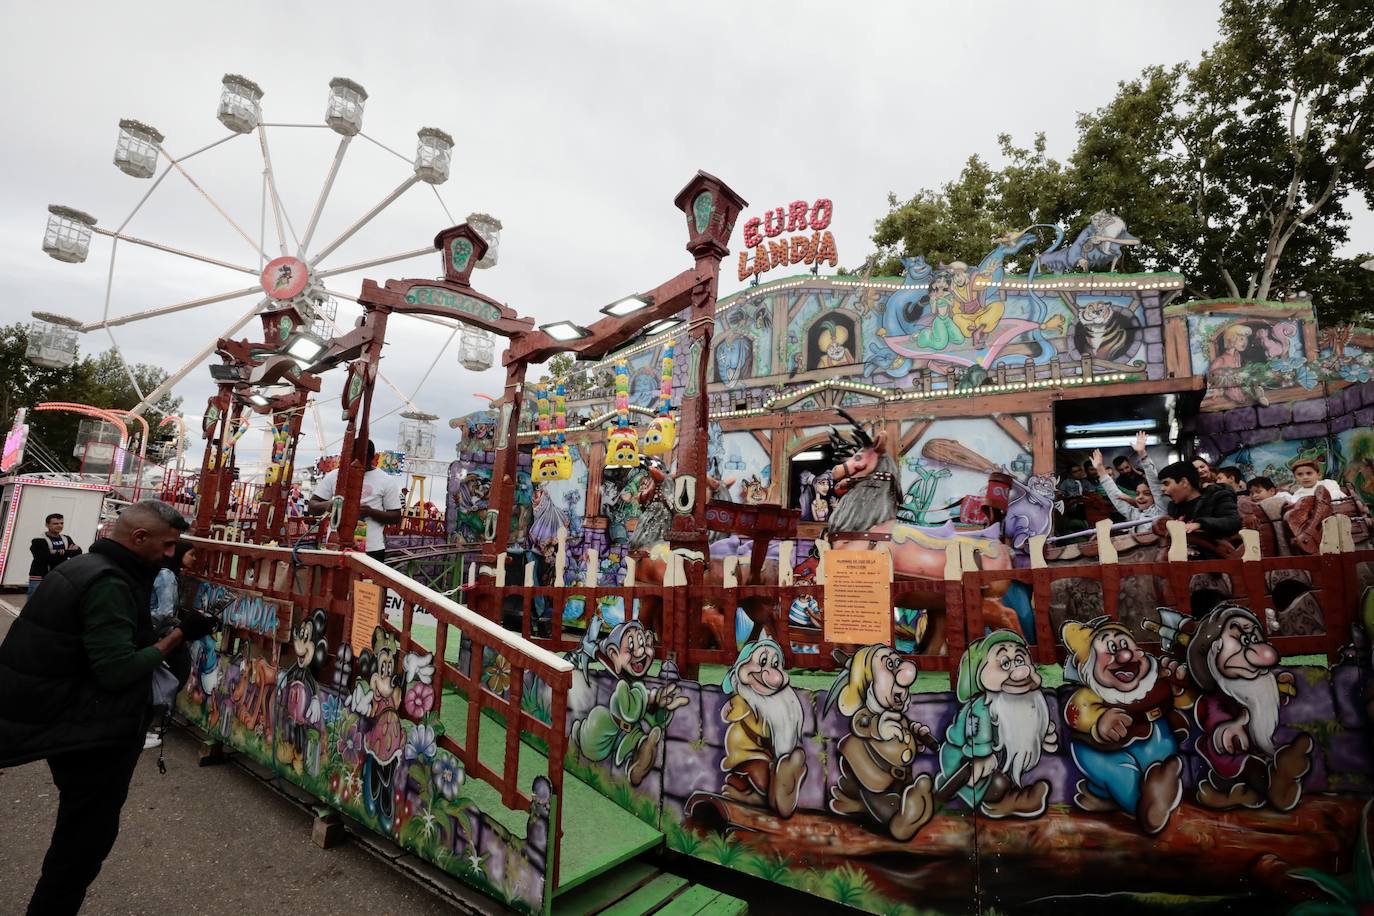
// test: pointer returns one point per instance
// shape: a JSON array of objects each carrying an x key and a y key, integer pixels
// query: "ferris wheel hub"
[{"x": 284, "y": 278}]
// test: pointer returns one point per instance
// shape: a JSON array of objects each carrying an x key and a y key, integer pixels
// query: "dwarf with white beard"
[
  {"x": 1233, "y": 666},
  {"x": 1125, "y": 723},
  {"x": 1000, "y": 731},
  {"x": 764, "y": 761}
]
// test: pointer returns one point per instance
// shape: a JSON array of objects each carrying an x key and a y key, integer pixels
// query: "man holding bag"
[{"x": 76, "y": 675}]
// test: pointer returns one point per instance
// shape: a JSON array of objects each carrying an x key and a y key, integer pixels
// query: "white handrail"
[{"x": 515, "y": 641}]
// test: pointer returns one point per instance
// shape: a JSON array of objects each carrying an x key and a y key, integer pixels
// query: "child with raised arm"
[{"x": 1140, "y": 505}]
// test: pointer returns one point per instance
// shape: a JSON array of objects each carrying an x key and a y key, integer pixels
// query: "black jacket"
[
  {"x": 50, "y": 702},
  {"x": 45, "y": 559},
  {"x": 1214, "y": 510}
]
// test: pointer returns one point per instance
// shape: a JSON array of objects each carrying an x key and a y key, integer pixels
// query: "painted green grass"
[{"x": 845, "y": 884}]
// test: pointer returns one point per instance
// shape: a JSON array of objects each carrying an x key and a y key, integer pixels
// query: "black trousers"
[{"x": 92, "y": 786}]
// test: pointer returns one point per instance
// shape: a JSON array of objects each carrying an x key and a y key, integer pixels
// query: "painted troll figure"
[{"x": 869, "y": 489}]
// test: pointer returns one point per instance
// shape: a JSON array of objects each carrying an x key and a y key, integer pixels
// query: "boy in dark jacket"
[
  {"x": 1209, "y": 511},
  {"x": 75, "y": 687}
]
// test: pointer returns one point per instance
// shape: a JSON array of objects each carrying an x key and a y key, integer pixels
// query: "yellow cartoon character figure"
[
  {"x": 622, "y": 447},
  {"x": 661, "y": 437},
  {"x": 552, "y": 463}
]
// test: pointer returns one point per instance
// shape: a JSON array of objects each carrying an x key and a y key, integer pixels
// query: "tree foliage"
[
  {"x": 1233, "y": 171},
  {"x": 563, "y": 366},
  {"x": 99, "y": 380}
]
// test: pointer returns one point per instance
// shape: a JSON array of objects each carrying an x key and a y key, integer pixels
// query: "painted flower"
[
  {"x": 448, "y": 774},
  {"x": 419, "y": 700},
  {"x": 496, "y": 675},
  {"x": 421, "y": 743},
  {"x": 351, "y": 745}
]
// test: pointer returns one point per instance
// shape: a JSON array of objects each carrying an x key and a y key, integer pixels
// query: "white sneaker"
[{"x": 152, "y": 740}]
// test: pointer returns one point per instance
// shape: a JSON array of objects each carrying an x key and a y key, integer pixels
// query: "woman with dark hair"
[
  {"x": 168, "y": 582},
  {"x": 166, "y": 588}
]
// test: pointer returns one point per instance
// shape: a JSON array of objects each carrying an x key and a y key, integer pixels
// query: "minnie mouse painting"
[{"x": 376, "y": 694}]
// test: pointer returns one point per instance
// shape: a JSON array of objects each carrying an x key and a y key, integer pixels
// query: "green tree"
[
  {"x": 563, "y": 366},
  {"x": 100, "y": 381},
  {"x": 1233, "y": 171}
]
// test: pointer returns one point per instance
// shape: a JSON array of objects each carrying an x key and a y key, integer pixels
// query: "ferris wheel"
[{"x": 292, "y": 267}]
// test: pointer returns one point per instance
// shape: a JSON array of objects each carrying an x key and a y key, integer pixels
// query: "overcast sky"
[{"x": 575, "y": 124}]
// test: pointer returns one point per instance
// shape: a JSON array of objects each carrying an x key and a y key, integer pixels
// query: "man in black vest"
[
  {"x": 75, "y": 689},
  {"x": 50, "y": 549}
]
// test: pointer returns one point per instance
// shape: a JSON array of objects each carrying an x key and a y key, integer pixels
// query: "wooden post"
[
  {"x": 785, "y": 550},
  {"x": 593, "y": 567},
  {"x": 501, "y": 498},
  {"x": 353, "y": 454},
  {"x": 560, "y": 563},
  {"x": 1106, "y": 550}
]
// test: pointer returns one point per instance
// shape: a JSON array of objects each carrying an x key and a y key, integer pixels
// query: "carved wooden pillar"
[
  {"x": 501, "y": 500},
  {"x": 271, "y": 521},
  {"x": 215, "y": 429},
  {"x": 353, "y": 452}
]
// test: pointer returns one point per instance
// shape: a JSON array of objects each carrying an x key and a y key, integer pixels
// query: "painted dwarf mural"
[
  {"x": 764, "y": 761},
  {"x": 877, "y": 783},
  {"x": 1238, "y": 712},
  {"x": 1002, "y": 728},
  {"x": 1125, "y": 723},
  {"x": 631, "y": 726}
]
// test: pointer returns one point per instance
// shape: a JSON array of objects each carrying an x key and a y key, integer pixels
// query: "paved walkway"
[{"x": 210, "y": 840}]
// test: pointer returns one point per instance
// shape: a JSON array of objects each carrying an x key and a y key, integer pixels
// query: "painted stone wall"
[
  {"x": 1262, "y": 439},
  {"x": 958, "y": 856}
]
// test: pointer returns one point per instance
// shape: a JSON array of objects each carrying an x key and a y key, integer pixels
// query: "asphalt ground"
[{"x": 211, "y": 840}]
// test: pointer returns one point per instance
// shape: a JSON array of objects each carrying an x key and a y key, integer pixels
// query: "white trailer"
[{"x": 25, "y": 501}]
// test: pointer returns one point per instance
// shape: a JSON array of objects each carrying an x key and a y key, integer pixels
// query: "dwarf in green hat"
[{"x": 1000, "y": 732}]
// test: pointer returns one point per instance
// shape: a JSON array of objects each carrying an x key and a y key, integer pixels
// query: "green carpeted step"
[
  {"x": 699, "y": 900},
  {"x": 648, "y": 898},
  {"x": 594, "y": 896},
  {"x": 598, "y": 834}
]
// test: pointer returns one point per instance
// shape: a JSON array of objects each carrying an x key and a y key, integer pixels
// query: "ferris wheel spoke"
[
  {"x": 169, "y": 309},
  {"x": 128, "y": 370},
  {"x": 373, "y": 262},
  {"x": 134, "y": 240},
  {"x": 324, "y": 195},
  {"x": 278, "y": 211},
  {"x": 365, "y": 219},
  {"x": 172, "y": 380},
  {"x": 439, "y": 197},
  {"x": 176, "y": 163}
]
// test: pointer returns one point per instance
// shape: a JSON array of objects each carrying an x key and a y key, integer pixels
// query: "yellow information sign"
[
  {"x": 367, "y": 609},
  {"x": 858, "y": 596}
]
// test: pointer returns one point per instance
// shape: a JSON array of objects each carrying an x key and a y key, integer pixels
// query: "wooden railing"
[
  {"x": 697, "y": 623},
  {"x": 1333, "y": 575},
  {"x": 324, "y": 579}
]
